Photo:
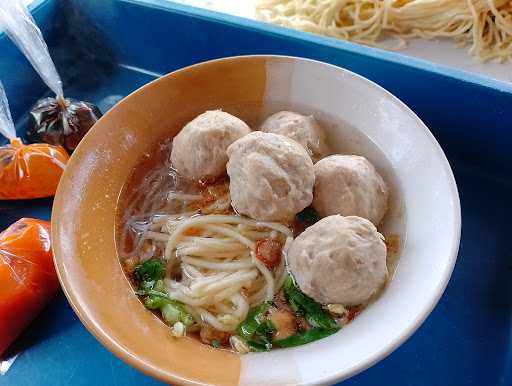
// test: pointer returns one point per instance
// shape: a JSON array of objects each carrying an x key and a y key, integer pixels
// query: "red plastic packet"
[{"x": 27, "y": 276}]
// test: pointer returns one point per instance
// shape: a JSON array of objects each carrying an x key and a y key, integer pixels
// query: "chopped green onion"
[
  {"x": 308, "y": 216},
  {"x": 170, "y": 313},
  {"x": 156, "y": 300},
  {"x": 256, "y": 329},
  {"x": 313, "y": 311},
  {"x": 306, "y": 337},
  {"x": 150, "y": 274},
  {"x": 153, "y": 302},
  {"x": 254, "y": 318},
  {"x": 159, "y": 286},
  {"x": 256, "y": 346}
]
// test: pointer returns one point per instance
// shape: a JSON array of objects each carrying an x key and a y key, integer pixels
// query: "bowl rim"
[{"x": 114, "y": 347}]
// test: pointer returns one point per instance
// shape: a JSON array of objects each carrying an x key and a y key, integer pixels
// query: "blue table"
[{"x": 103, "y": 53}]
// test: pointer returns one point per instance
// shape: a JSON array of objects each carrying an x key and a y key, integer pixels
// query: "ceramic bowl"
[{"x": 360, "y": 118}]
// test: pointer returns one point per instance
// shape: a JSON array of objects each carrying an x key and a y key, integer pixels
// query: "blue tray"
[{"x": 104, "y": 52}]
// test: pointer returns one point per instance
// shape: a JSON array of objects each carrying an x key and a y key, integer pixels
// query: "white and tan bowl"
[{"x": 360, "y": 118}]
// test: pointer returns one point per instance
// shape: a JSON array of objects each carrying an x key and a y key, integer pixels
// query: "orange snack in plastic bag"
[
  {"x": 27, "y": 276},
  {"x": 30, "y": 171},
  {"x": 27, "y": 171}
]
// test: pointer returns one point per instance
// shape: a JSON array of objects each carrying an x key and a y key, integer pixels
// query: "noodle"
[
  {"x": 215, "y": 256},
  {"x": 281, "y": 269},
  {"x": 217, "y": 266},
  {"x": 191, "y": 271},
  {"x": 183, "y": 197},
  {"x": 156, "y": 236},
  {"x": 206, "y": 280},
  {"x": 241, "y": 306},
  {"x": 484, "y": 25},
  {"x": 237, "y": 278},
  {"x": 203, "y": 252},
  {"x": 234, "y": 234},
  {"x": 267, "y": 275},
  {"x": 201, "y": 221},
  {"x": 213, "y": 321}
]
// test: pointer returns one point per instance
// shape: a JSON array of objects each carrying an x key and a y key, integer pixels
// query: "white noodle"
[
  {"x": 213, "y": 321},
  {"x": 183, "y": 196},
  {"x": 231, "y": 280},
  {"x": 267, "y": 275},
  {"x": 217, "y": 243},
  {"x": 276, "y": 226},
  {"x": 241, "y": 306},
  {"x": 220, "y": 205},
  {"x": 229, "y": 266},
  {"x": 231, "y": 233},
  {"x": 157, "y": 236},
  {"x": 191, "y": 271},
  {"x": 203, "y": 252},
  {"x": 226, "y": 293},
  {"x": 258, "y": 297},
  {"x": 194, "y": 302},
  {"x": 281, "y": 269},
  {"x": 203, "y": 281}
]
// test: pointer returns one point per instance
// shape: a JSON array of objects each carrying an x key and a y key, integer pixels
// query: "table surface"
[
  {"x": 56, "y": 350},
  {"x": 441, "y": 52}
]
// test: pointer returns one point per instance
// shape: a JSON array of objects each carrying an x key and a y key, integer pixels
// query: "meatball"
[
  {"x": 301, "y": 128},
  {"x": 349, "y": 185},
  {"x": 339, "y": 260},
  {"x": 271, "y": 177},
  {"x": 199, "y": 149}
]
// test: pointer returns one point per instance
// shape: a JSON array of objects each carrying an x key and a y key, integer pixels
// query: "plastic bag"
[
  {"x": 61, "y": 121},
  {"x": 27, "y": 276},
  {"x": 58, "y": 121},
  {"x": 27, "y": 171}
]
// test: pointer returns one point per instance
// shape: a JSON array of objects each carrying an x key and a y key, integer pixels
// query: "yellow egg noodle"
[{"x": 483, "y": 25}]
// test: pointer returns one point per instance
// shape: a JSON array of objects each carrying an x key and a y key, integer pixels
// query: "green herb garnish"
[
  {"x": 150, "y": 274},
  {"x": 172, "y": 310},
  {"x": 308, "y": 216},
  {"x": 256, "y": 329},
  {"x": 316, "y": 316},
  {"x": 254, "y": 318},
  {"x": 306, "y": 337}
]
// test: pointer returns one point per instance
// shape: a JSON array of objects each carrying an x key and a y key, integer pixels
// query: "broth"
[{"x": 146, "y": 192}]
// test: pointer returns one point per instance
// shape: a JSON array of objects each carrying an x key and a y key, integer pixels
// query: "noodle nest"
[
  {"x": 483, "y": 25},
  {"x": 211, "y": 256}
]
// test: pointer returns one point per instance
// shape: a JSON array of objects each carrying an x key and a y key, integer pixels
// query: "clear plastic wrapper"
[
  {"x": 27, "y": 276},
  {"x": 27, "y": 171},
  {"x": 61, "y": 121},
  {"x": 55, "y": 120}
]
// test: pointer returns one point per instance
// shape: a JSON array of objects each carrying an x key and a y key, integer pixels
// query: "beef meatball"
[
  {"x": 349, "y": 185},
  {"x": 301, "y": 128},
  {"x": 199, "y": 149},
  {"x": 339, "y": 260},
  {"x": 271, "y": 177}
]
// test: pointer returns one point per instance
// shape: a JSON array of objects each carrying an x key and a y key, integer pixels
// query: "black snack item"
[{"x": 61, "y": 121}]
